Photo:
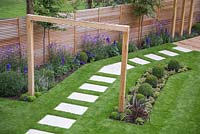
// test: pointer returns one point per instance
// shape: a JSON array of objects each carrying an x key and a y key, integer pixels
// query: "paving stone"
[
  {"x": 182, "y": 49},
  {"x": 83, "y": 97},
  {"x": 139, "y": 61},
  {"x": 57, "y": 121},
  {"x": 34, "y": 131},
  {"x": 154, "y": 57},
  {"x": 93, "y": 87},
  {"x": 114, "y": 68},
  {"x": 102, "y": 79},
  {"x": 71, "y": 108},
  {"x": 168, "y": 53}
]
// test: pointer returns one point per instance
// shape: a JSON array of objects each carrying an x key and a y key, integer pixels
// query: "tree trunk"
[
  {"x": 141, "y": 32},
  {"x": 29, "y": 7},
  {"x": 89, "y": 4},
  {"x": 44, "y": 48},
  {"x": 139, "y": 29}
]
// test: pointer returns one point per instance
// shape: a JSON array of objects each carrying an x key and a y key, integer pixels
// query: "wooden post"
[
  {"x": 123, "y": 71},
  {"x": 30, "y": 54},
  {"x": 99, "y": 18},
  {"x": 75, "y": 36},
  {"x": 158, "y": 14},
  {"x": 191, "y": 16},
  {"x": 174, "y": 18},
  {"x": 182, "y": 17},
  {"x": 120, "y": 14}
]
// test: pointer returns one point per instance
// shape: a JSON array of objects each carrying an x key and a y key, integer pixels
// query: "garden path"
[
  {"x": 192, "y": 43},
  {"x": 114, "y": 69}
]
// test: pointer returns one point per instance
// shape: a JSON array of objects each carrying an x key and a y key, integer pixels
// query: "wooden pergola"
[
  {"x": 101, "y": 26},
  {"x": 191, "y": 14}
]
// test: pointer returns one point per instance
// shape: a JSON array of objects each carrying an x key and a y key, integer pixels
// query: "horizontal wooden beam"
[{"x": 96, "y": 25}]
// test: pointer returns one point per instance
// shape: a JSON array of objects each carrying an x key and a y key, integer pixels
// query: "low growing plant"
[
  {"x": 146, "y": 90},
  {"x": 152, "y": 80},
  {"x": 158, "y": 71},
  {"x": 174, "y": 65}
]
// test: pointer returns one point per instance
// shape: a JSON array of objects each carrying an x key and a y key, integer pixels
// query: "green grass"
[{"x": 175, "y": 112}]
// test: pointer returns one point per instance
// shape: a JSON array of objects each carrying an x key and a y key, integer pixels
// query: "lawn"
[{"x": 176, "y": 110}]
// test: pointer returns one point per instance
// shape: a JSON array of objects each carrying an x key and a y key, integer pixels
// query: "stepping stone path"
[
  {"x": 34, "y": 131},
  {"x": 168, "y": 53},
  {"x": 71, "y": 108},
  {"x": 139, "y": 61},
  {"x": 93, "y": 87},
  {"x": 83, "y": 97},
  {"x": 66, "y": 123},
  {"x": 154, "y": 57},
  {"x": 56, "y": 121},
  {"x": 102, "y": 79},
  {"x": 182, "y": 49},
  {"x": 114, "y": 68}
]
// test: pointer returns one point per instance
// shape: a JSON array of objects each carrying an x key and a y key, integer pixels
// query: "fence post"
[
  {"x": 75, "y": 36},
  {"x": 30, "y": 54},
  {"x": 182, "y": 17},
  {"x": 123, "y": 70},
  {"x": 191, "y": 16},
  {"x": 174, "y": 18}
]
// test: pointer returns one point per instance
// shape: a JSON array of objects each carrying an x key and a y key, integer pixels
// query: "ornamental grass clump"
[
  {"x": 146, "y": 89},
  {"x": 158, "y": 71},
  {"x": 152, "y": 80}
]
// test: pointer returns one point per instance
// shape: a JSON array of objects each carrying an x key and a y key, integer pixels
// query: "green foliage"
[
  {"x": 38, "y": 94},
  {"x": 83, "y": 57},
  {"x": 44, "y": 79},
  {"x": 11, "y": 84},
  {"x": 112, "y": 50},
  {"x": 27, "y": 97},
  {"x": 196, "y": 28},
  {"x": 158, "y": 71},
  {"x": 115, "y": 115},
  {"x": 152, "y": 80},
  {"x": 139, "y": 121},
  {"x": 140, "y": 98},
  {"x": 145, "y": 7},
  {"x": 131, "y": 48},
  {"x": 145, "y": 89},
  {"x": 174, "y": 65}
]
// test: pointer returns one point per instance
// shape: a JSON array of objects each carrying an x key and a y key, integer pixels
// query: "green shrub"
[
  {"x": 158, "y": 71},
  {"x": 112, "y": 50},
  {"x": 145, "y": 89},
  {"x": 37, "y": 94},
  {"x": 83, "y": 57},
  {"x": 152, "y": 80},
  {"x": 132, "y": 47},
  {"x": 27, "y": 97},
  {"x": 115, "y": 115},
  {"x": 196, "y": 28},
  {"x": 174, "y": 65},
  {"x": 11, "y": 84}
]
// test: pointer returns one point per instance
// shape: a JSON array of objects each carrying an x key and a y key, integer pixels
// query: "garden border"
[{"x": 30, "y": 19}]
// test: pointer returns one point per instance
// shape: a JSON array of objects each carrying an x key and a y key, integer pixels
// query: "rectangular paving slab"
[
  {"x": 71, "y": 108},
  {"x": 93, "y": 87},
  {"x": 57, "y": 121},
  {"x": 34, "y": 131},
  {"x": 139, "y": 61},
  {"x": 154, "y": 57},
  {"x": 182, "y": 49},
  {"x": 102, "y": 79},
  {"x": 114, "y": 68},
  {"x": 168, "y": 53},
  {"x": 83, "y": 97}
]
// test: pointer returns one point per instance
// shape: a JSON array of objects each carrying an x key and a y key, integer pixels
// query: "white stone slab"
[
  {"x": 154, "y": 57},
  {"x": 83, "y": 97},
  {"x": 102, "y": 79},
  {"x": 93, "y": 87},
  {"x": 182, "y": 49},
  {"x": 114, "y": 68},
  {"x": 57, "y": 121},
  {"x": 139, "y": 61},
  {"x": 71, "y": 108},
  {"x": 168, "y": 53},
  {"x": 34, "y": 131}
]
